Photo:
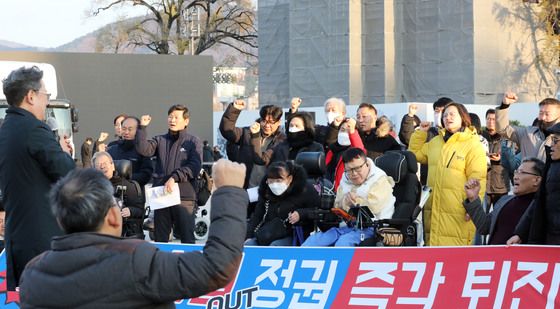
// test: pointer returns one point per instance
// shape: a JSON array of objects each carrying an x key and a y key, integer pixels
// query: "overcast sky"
[{"x": 51, "y": 23}]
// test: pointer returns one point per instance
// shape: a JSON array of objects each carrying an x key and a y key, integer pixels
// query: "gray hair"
[
  {"x": 337, "y": 101},
  {"x": 19, "y": 82},
  {"x": 80, "y": 200},
  {"x": 100, "y": 154}
]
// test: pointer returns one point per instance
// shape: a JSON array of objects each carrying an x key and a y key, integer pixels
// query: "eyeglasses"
[
  {"x": 102, "y": 164},
  {"x": 354, "y": 170},
  {"x": 518, "y": 171},
  {"x": 270, "y": 122},
  {"x": 45, "y": 93}
]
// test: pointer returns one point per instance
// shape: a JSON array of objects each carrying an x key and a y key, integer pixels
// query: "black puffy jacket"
[
  {"x": 178, "y": 155},
  {"x": 299, "y": 195}
]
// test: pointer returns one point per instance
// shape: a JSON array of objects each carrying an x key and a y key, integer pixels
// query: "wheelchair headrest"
[
  {"x": 312, "y": 162},
  {"x": 397, "y": 163},
  {"x": 123, "y": 168}
]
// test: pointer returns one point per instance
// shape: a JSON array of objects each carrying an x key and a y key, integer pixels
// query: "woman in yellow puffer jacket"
[{"x": 453, "y": 156}]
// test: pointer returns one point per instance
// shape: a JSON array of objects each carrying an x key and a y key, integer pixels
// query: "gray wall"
[
  {"x": 274, "y": 24},
  {"x": 104, "y": 85},
  {"x": 385, "y": 51}
]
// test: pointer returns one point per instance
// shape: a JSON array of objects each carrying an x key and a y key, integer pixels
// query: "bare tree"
[
  {"x": 180, "y": 26},
  {"x": 113, "y": 38},
  {"x": 549, "y": 17}
]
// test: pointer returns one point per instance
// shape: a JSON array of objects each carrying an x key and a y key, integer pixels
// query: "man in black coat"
[
  {"x": 178, "y": 160},
  {"x": 376, "y": 140},
  {"x": 124, "y": 149},
  {"x": 31, "y": 160},
  {"x": 95, "y": 268},
  {"x": 239, "y": 144}
]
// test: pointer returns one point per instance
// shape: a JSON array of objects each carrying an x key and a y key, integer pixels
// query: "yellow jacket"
[{"x": 450, "y": 165}]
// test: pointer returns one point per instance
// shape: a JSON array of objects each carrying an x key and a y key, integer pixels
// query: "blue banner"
[{"x": 381, "y": 277}]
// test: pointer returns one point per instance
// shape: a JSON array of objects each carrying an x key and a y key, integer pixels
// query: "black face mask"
[
  {"x": 544, "y": 125},
  {"x": 299, "y": 138}
]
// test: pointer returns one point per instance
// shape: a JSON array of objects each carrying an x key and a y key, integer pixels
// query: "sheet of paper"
[
  {"x": 157, "y": 198},
  {"x": 253, "y": 194}
]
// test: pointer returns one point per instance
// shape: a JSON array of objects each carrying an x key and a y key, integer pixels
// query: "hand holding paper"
[{"x": 158, "y": 197}]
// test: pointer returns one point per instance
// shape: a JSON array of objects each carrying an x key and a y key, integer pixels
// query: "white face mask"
[
  {"x": 278, "y": 188},
  {"x": 343, "y": 139},
  {"x": 331, "y": 116},
  {"x": 437, "y": 120},
  {"x": 294, "y": 130}
]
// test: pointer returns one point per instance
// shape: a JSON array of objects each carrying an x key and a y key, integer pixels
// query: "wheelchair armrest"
[{"x": 397, "y": 222}]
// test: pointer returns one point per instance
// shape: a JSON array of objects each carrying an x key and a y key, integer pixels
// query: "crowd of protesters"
[{"x": 470, "y": 171}]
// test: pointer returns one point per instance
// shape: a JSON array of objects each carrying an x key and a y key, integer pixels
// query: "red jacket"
[{"x": 355, "y": 141}]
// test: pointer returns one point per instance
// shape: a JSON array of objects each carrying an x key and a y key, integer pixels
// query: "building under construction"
[{"x": 400, "y": 50}]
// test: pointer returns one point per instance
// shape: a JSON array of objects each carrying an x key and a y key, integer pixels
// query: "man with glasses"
[
  {"x": 541, "y": 222},
  {"x": 508, "y": 210},
  {"x": 31, "y": 160},
  {"x": 124, "y": 149},
  {"x": 238, "y": 139},
  {"x": 92, "y": 267},
  {"x": 363, "y": 184}
]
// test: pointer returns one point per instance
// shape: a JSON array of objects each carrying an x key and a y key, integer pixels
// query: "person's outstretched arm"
[{"x": 174, "y": 276}]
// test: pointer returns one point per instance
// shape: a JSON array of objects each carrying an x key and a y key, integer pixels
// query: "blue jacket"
[{"x": 179, "y": 157}]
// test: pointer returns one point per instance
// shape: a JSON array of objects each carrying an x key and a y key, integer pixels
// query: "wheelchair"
[
  {"x": 314, "y": 165},
  {"x": 401, "y": 229},
  {"x": 123, "y": 168}
]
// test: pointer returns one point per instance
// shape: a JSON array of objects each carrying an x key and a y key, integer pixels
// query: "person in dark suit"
[
  {"x": 178, "y": 160},
  {"x": 124, "y": 149},
  {"x": 31, "y": 160}
]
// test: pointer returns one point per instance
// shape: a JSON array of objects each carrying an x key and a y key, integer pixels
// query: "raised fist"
[
  {"x": 145, "y": 120},
  {"x": 509, "y": 98},
  {"x": 296, "y": 102},
  {"x": 103, "y": 137},
  {"x": 424, "y": 126},
  {"x": 239, "y": 104},
  {"x": 227, "y": 173},
  {"x": 255, "y": 128},
  {"x": 350, "y": 125},
  {"x": 338, "y": 120}
]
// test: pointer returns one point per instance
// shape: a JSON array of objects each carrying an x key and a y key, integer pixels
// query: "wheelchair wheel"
[{"x": 200, "y": 229}]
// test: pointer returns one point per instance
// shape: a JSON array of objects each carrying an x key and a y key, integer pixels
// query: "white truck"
[{"x": 61, "y": 115}]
